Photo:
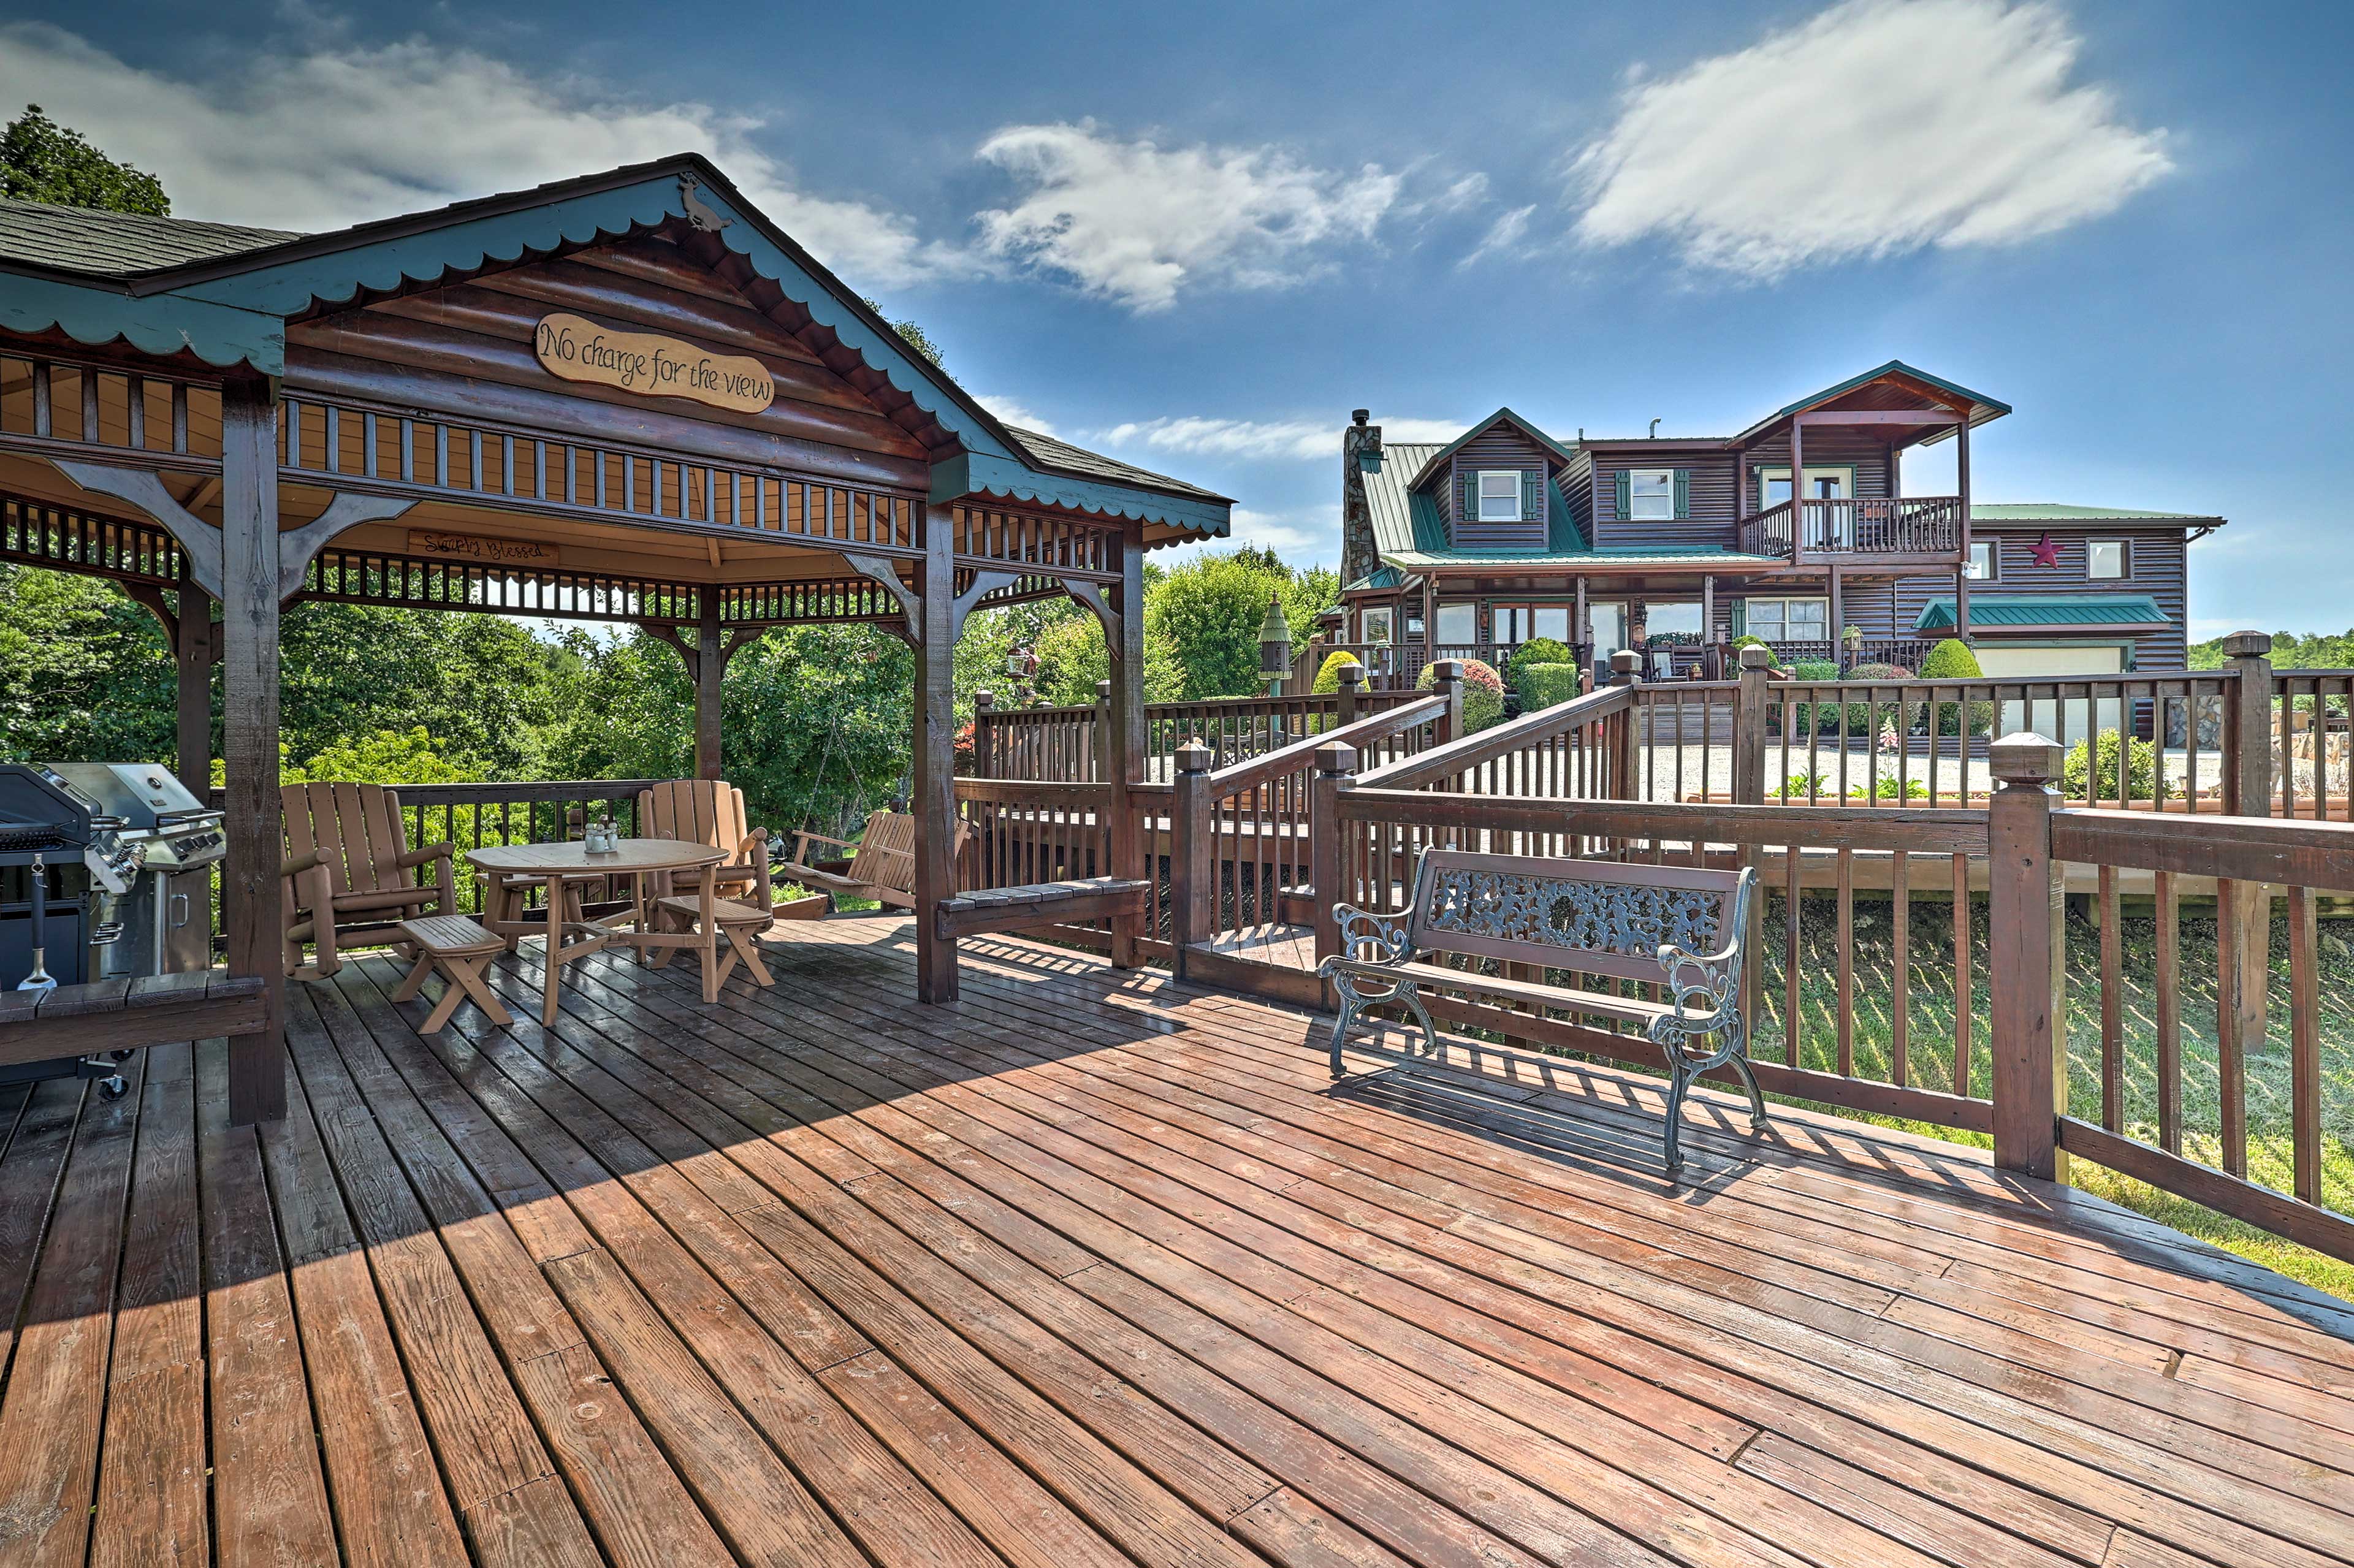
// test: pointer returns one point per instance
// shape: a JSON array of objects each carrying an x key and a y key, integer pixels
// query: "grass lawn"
[{"x": 1929, "y": 981}]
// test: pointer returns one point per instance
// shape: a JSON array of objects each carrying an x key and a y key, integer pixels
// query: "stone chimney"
[{"x": 1361, "y": 449}]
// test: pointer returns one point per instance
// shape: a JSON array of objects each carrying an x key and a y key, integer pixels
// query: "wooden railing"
[
  {"x": 1574, "y": 749},
  {"x": 1066, "y": 744},
  {"x": 1870, "y": 525},
  {"x": 1240, "y": 836}
]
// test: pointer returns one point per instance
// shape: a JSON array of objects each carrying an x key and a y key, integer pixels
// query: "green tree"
[
  {"x": 41, "y": 160},
  {"x": 1209, "y": 610},
  {"x": 84, "y": 673},
  {"x": 914, "y": 336}
]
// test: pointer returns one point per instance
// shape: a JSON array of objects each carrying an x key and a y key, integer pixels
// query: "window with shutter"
[{"x": 1683, "y": 495}]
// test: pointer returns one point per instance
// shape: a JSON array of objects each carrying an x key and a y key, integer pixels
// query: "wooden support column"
[
  {"x": 710, "y": 675},
  {"x": 1124, "y": 762},
  {"x": 1626, "y": 670},
  {"x": 1962, "y": 486},
  {"x": 1797, "y": 483},
  {"x": 249, "y": 887},
  {"x": 193, "y": 653},
  {"x": 984, "y": 736},
  {"x": 2251, "y": 736},
  {"x": 1352, "y": 689},
  {"x": 1335, "y": 773},
  {"x": 2026, "y": 904},
  {"x": 1838, "y": 618},
  {"x": 1192, "y": 855},
  {"x": 934, "y": 744},
  {"x": 1750, "y": 705}
]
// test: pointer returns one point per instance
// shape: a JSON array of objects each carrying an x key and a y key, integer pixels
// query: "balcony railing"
[{"x": 1880, "y": 525}]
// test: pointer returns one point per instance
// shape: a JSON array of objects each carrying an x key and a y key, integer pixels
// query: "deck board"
[{"x": 1086, "y": 1268}]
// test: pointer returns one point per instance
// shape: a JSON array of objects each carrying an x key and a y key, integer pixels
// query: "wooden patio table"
[{"x": 635, "y": 858}]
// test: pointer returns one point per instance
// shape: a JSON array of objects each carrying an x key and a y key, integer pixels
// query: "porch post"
[
  {"x": 710, "y": 675},
  {"x": 1708, "y": 623},
  {"x": 192, "y": 653},
  {"x": 934, "y": 755},
  {"x": 1797, "y": 478},
  {"x": 250, "y": 884},
  {"x": 1962, "y": 573},
  {"x": 1838, "y": 618},
  {"x": 1124, "y": 764},
  {"x": 2025, "y": 930}
]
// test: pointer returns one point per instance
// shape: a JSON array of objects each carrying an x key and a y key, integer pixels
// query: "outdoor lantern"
[{"x": 1274, "y": 646}]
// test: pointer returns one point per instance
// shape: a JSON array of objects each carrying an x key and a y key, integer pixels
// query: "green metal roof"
[
  {"x": 2089, "y": 611},
  {"x": 1381, "y": 580},
  {"x": 2052, "y": 511}
]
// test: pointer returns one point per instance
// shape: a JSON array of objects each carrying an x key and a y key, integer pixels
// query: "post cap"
[
  {"x": 1756, "y": 658},
  {"x": 2247, "y": 644},
  {"x": 1625, "y": 662},
  {"x": 984, "y": 699},
  {"x": 1353, "y": 673},
  {"x": 1103, "y": 691},
  {"x": 2024, "y": 758},
  {"x": 1339, "y": 756},
  {"x": 1194, "y": 758},
  {"x": 1447, "y": 669}
]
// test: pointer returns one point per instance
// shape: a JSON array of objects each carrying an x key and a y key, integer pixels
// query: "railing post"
[
  {"x": 2025, "y": 903},
  {"x": 2249, "y": 741},
  {"x": 1446, "y": 680},
  {"x": 1335, "y": 774},
  {"x": 1749, "y": 708},
  {"x": 1099, "y": 764},
  {"x": 1192, "y": 863},
  {"x": 1626, "y": 670},
  {"x": 1352, "y": 684},
  {"x": 983, "y": 736}
]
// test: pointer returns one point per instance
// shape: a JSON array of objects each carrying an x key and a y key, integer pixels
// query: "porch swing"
[{"x": 881, "y": 862}]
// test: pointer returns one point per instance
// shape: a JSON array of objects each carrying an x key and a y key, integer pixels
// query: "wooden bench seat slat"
[{"x": 1039, "y": 903}]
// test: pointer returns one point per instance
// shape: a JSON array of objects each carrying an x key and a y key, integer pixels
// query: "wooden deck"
[{"x": 1087, "y": 1269}]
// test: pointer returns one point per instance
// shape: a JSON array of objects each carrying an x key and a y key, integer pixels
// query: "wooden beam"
[
  {"x": 248, "y": 563},
  {"x": 2025, "y": 926},
  {"x": 200, "y": 542},
  {"x": 1125, "y": 759},
  {"x": 881, "y": 569},
  {"x": 982, "y": 583},
  {"x": 931, "y": 615},
  {"x": 195, "y": 650},
  {"x": 1962, "y": 573},
  {"x": 1876, "y": 416},
  {"x": 710, "y": 677}
]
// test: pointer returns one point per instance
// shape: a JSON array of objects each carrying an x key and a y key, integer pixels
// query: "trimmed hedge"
[
  {"x": 1327, "y": 678},
  {"x": 1535, "y": 650},
  {"x": 1547, "y": 685},
  {"x": 1483, "y": 692}
]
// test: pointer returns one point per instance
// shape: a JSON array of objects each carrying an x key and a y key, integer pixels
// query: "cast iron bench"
[{"x": 1678, "y": 927}]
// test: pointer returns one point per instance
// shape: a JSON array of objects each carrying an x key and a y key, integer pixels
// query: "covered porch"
[{"x": 1088, "y": 1266}]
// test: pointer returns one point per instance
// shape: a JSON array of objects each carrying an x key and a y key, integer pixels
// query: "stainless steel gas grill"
[{"x": 166, "y": 919}]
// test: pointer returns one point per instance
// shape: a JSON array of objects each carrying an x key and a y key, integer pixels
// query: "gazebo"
[{"x": 628, "y": 397}]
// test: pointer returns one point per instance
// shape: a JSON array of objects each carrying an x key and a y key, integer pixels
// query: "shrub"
[
  {"x": 1862, "y": 721},
  {"x": 2091, "y": 772},
  {"x": 1543, "y": 686},
  {"x": 1953, "y": 661},
  {"x": 1327, "y": 678},
  {"x": 1803, "y": 718},
  {"x": 1536, "y": 651},
  {"x": 1483, "y": 692}
]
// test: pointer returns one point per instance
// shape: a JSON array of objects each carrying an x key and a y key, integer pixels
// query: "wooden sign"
[
  {"x": 650, "y": 366},
  {"x": 481, "y": 551}
]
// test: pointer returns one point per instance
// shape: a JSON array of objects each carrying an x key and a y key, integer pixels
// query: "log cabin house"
[{"x": 1678, "y": 545}]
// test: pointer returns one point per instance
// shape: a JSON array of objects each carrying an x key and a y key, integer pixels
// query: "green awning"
[{"x": 2046, "y": 611}]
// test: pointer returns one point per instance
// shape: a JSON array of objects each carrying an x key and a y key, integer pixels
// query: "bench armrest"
[
  {"x": 430, "y": 852},
  {"x": 1361, "y": 930},
  {"x": 1706, "y": 984},
  {"x": 295, "y": 865},
  {"x": 804, "y": 839}
]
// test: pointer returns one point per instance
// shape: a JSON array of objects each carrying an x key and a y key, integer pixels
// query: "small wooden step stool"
[{"x": 462, "y": 950}]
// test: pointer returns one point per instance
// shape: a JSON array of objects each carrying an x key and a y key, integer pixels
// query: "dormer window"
[
  {"x": 1652, "y": 494},
  {"x": 1500, "y": 496}
]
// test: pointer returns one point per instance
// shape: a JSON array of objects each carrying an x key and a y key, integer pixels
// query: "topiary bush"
[
  {"x": 1327, "y": 678},
  {"x": 1483, "y": 692},
  {"x": 1953, "y": 661},
  {"x": 2091, "y": 772},
  {"x": 1544, "y": 685},
  {"x": 1864, "y": 719},
  {"x": 1536, "y": 651},
  {"x": 1803, "y": 718}
]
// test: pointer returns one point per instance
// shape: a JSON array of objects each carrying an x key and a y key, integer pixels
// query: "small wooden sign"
[
  {"x": 484, "y": 552},
  {"x": 650, "y": 366}
]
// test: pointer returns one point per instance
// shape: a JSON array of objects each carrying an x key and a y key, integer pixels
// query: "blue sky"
[{"x": 1198, "y": 235}]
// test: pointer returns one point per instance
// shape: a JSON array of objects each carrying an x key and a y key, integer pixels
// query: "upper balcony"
[{"x": 1924, "y": 530}]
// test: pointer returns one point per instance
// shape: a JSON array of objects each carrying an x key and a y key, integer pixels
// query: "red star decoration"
[{"x": 2046, "y": 551}]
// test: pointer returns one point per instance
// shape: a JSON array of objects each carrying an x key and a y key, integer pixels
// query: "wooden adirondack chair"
[
  {"x": 711, "y": 811},
  {"x": 349, "y": 873},
  {"x": 882, "y": 862}
]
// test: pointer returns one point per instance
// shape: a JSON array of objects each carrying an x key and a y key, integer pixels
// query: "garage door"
[{"x": 2067, "y": 721}]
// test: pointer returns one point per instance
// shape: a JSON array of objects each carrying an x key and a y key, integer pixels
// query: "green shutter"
[
  {"x": 1683, "y": 493},
  {"x": 1740, "y": 622},
  {"x": 1468, "y": 508},
  {"x": 1624, "y": 489},
  {"x": 1531, "y": 495}
]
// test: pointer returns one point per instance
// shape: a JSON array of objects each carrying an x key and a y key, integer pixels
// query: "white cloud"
[
  {"x": 335, "y": 135},
  {"x": 1014, "y": 413},
  {"x": 1137, "y": 223},
  {"x": 1298, "y": 540},
  {"x": 1879, "y": 127},
  {"x": 1503, "y": 236},
  {"x": 1262, "y": 439}
]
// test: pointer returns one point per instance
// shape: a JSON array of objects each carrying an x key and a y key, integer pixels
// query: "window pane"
[
  {"x": 1810, "y": 618},
  {"x": 2104, "y": 559},
  {"x": 1652, "y": 494},
  {"x": 1982, "y": 559},
  {"x": 1500, "y": 496},
  {"x": 1377, "y": 626},
  {"x": 1552, "y": 621},
  {"x": 1682, "y": 620},
  {"x": 1778, "y": 491},
  {"x": 1457, "y": 624},
  {"x": 1765, "y": 619}
]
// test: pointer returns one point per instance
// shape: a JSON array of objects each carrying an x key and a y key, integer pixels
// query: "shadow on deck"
[{"x": 1087, "y": 1268}]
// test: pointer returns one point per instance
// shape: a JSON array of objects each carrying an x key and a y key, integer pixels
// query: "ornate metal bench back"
[{"x": 1600, "y": 918}]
